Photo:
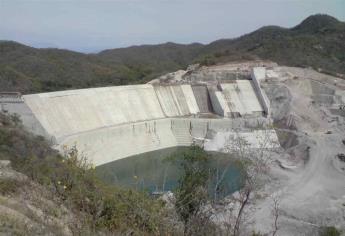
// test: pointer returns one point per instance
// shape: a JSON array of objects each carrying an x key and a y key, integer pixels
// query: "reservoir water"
[{"x": 152, "y": 172}]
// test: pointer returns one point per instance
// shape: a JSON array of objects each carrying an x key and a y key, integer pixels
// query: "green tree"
[
  {"x": 329, "y": 231},
  {"x": 192, "y": 192}
]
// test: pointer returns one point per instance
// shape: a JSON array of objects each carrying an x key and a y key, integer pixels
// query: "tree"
[
  {"x": 192, "y": 192},
  {"x": 275, "y": 212},
  {"x": 329, "y": 231},
  {"x": 255, "y": 161}
]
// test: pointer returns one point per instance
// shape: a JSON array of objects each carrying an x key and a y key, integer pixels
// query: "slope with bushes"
[
  {"x": 317, "y": 42},
  {"x": 45, "y": 193}
]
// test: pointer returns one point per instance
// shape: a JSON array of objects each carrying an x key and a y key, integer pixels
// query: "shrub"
[
  {"x": 73, "y": 181},
  {"x": 192, "y": 191},
  {"x": 9, "y": 186},
  {"x": 329, "y": 231}
]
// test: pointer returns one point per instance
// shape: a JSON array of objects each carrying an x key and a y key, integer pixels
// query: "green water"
[{"x": 153, "y": 172}]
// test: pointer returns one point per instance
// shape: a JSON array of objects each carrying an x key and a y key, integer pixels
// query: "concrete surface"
[
  {"x": 70, "y": 112},
  {"x": 202, "y": 98},
  {"x": 259, "y": 75},
  {"x": 29, "y": 120},
  {"x": 256, "y": 139},
  {"x": 241, "y": 98},
  {"x": 110, "y": 123},
  {"x": 190, "y": 99},
  {"x": 176, "y": 100},
  {"x": 108, "y": 144},
  {"x": 219, "y": 103}
]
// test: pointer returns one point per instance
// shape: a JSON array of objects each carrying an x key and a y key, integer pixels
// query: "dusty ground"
[
  {"x": 310, "y": 177},
  {"x": 26, "y": 208}
]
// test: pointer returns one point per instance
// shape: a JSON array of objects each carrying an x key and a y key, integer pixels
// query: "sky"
[{"x": 94, "y": 25}]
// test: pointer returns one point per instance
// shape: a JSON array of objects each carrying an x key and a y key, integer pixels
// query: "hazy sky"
[{"x": 93, "y": 25}]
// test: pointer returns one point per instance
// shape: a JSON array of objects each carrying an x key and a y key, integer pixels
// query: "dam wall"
[
  {"x": 13, "y": 103},
  {"x": 110, "y": 123},
  {"x": 176, "y": 100},
  {"x": 241, "y": 98},
  {"x": 190, "y": 99},
  {"x": 109, "y": 144},
  {"x": 69, "y": 112},
  {"x": 219, "y": 103},
  {"x": 236, "y": 99},
  {"x": 258, "y": 74},
  {"x": 202, "y": 98},
  {"x": 65, "y": 113}
]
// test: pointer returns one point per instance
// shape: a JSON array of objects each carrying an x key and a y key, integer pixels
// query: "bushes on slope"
[{"x": 72, "y": 180}]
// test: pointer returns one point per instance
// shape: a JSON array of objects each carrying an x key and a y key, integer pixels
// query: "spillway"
[{"x": 203, "y": 99}]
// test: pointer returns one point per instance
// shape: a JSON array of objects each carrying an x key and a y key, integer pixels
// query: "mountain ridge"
[{"x": 316, "y": 42}]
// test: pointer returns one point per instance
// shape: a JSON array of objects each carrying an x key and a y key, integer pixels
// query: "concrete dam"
[{"x": 110, "y": 123}]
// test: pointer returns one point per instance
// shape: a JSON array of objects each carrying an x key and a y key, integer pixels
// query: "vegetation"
[
  {"x": 192, "y": 193},
  {"x": 317, "y": 42},
  {"x": 98, "y": 208},
  {"x": 197, "y": 199},
  {"x": 101, "y": 209},
  {"x": 329, "y": 231},
  {"x": 72, "y": 181},
  {"x": 9, "y": 186}
]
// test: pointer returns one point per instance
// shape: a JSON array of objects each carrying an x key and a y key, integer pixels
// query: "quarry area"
[
  {"x": 306, "y": 110},
  {"x": 297, "y": 114}
]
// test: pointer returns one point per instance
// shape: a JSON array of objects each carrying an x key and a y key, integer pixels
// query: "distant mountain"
[
  {"x": 316, "y": 42},
  {"x": 319, "y": 23},
  {"x": 29, "y": 70}
]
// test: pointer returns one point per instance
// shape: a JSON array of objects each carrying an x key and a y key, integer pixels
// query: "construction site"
[
  {"x": 299, "y": 111},
  {"x": 104, "y": 123}
]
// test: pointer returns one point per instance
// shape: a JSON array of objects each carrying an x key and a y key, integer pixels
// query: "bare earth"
[{"x": 307, "y": 176}]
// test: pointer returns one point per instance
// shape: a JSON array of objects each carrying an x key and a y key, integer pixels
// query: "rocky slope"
[{"x": 28, "y": 208}]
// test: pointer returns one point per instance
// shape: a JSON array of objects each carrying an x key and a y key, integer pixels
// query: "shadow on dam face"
[{"x": 152, "y": 172}]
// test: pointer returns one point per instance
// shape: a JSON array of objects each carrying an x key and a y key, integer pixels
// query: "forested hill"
[{"x": 318, "y": 42}]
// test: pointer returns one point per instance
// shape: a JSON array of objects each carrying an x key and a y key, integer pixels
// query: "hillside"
[
  {"x": 45, "y": 193},
  {"x": 316, "y": 42}
]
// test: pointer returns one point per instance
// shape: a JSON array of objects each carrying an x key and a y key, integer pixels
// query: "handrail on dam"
[
  {"x": 11, "y": 97},
  {"x": 10, "y": 94}
]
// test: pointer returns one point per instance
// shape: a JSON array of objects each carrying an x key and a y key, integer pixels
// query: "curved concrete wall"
[
  {"x": 68, "y": 112},
  {"x": 111, "y": 123},
  {"x": 109, "y": 144}
]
